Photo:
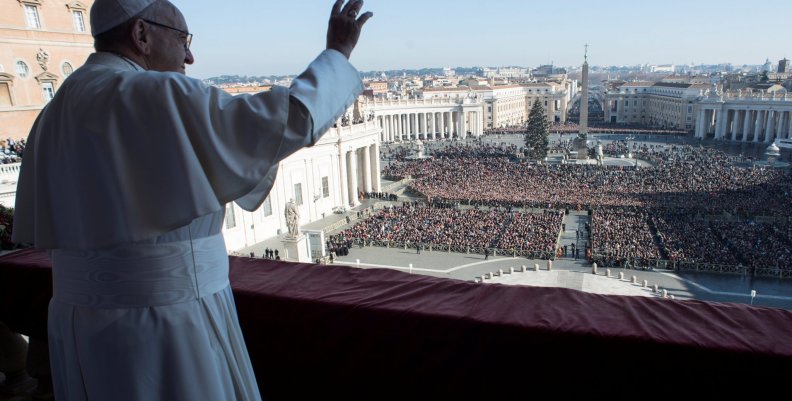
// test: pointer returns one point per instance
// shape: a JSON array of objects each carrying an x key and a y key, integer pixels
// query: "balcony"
[{"x": 336, "y": 332}]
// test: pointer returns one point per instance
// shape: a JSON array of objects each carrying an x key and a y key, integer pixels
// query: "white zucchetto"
[{"x": 108, "y": 14}]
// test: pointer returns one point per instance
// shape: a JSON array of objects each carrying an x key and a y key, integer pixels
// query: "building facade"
[
  {"x": 320, "y": 179},
  {"x": 41, "y": 43},
  {"x": 669, "y": 105}
]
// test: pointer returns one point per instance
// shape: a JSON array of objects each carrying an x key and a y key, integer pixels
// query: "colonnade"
[
  {"x": 430, "y": 125},
  {"x": 745, "y": 123},
  {"x": 359, "y": 173}
]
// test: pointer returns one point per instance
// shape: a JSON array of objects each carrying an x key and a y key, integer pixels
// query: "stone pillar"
[
  {"x": 700, "y": 123},
  {"x": 353, "y": 178},
  {"x": 377, "y": 179},
  {"x": 429, "y": 126},
  {"x": 462, "y": 126},
  {"x": 782, "y": 121},
  {"x": 738, "y": 121},
  {"x": 413, "y": 126},
  {"x": 366, "y": 169},
  {"x": 770, "y": 131},
  {"x": 446, "y": 125},
  {"x": 433, "y": 125},
  {"x": 789, "y": 127},
  {"x": 396, "y": 127},
  {"x": 479, "y": 123},
  {"x": 343, "y": 174},
  {"x": 720, "y": 122},
  {"x": 758, "y": 123},
  {"x": 746, "y": 125}
]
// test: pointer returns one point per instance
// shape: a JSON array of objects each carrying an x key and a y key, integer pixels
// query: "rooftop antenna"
[{"x": 585, "y": 53}]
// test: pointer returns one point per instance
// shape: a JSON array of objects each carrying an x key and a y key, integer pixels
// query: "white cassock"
[{"x": 125, "y": 179}]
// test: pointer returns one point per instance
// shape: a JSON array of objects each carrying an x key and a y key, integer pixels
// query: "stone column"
[
  {"x": 789, "y": 129},
  {"x": 746, "y": 125},
  {"x": 738, "y": 121},
  {"x": 404, "y": 126},
  {"x": 432, "y": 125},
  {"x": 462, "y": 124},
  {"x": 770, "y": 131},
  {"x": 395, "y": 123},
  {"x": 781, "y": 129},
  {"x": 366, "y": 169},
  {"x": 722, "y": 123},
  {"x": 428, "y": 124},
  {"x": 376, "y": 180},
  {"x": 758, "y": 125},
  {"x": 700, "y": 131},
  {"x": 411, "y": 127},
  {"x": 452, "y": 126},
  {"x": 353, "y": 178},
  {"x": 343, "y": 176}
]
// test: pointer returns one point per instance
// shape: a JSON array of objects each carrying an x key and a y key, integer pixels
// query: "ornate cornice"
[
  {"x": 76, "y": 6},
  {"x": 46, "y": 77}
]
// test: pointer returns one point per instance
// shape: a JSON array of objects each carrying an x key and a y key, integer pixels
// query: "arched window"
[{"x": 22, "y": 69}]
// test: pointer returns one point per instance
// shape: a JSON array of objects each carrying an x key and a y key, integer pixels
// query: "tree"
[{"x": 536, "y": 136}]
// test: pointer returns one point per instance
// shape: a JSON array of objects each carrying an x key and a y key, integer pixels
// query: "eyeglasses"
[{"x": 187, "y": 41}]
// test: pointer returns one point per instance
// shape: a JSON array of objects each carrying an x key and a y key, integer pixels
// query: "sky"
[{"x": 269, "y": 37}]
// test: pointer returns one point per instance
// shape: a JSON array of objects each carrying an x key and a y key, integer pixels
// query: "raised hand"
[{"x": 344, "y": 27}]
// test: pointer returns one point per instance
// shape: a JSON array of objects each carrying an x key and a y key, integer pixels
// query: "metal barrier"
[{"x": 677, "y": 265}]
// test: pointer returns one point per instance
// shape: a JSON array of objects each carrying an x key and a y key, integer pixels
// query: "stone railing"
[{"x": 9, "y": 172}]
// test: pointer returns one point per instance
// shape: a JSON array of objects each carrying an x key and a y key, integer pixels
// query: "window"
[
  {"x": 79, "y": 22},
  {"x": 48, "y": 91},
  {"x": 298, "y": 198},
  {"x": 67, "y": 69},
  {"x": 32, "y": 16},
  {"x": 5, "y": 95},
  {"x": 325, "y": 187},
  {"x": 266, "y": 207},
  {"x": 230, "y": 219},
  {"x": 22, "y": 69}
]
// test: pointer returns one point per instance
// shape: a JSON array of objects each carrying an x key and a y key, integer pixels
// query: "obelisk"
[
  {"x": 584, "y": 97},
  {"x": 579, "y": 144}
]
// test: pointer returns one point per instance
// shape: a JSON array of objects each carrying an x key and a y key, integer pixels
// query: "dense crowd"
[
  {"x": 420, "y": 224},
  {"x": 11, "y": 150},
  {"x": 693, "y": 204},
  {"x": 623, "y": 234},
  {"x": 698, "y": 179}
]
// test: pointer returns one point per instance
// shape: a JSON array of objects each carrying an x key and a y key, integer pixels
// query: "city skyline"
[{"x": 411, "y": 34}]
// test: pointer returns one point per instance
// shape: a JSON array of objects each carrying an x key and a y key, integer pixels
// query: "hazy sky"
[{"x": 268, "y": 37}]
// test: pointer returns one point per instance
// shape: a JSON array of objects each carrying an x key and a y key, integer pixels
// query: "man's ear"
[{"x": 141, "y": 36}]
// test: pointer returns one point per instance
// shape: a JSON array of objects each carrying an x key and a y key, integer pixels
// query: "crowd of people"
[
  {"x": 623, "y": 235},
  {"x": 701, "y": 180},
  {"x": 11, "y": 150},
  {"x": 693, "y": 204},
  {"x": 475, "y": 229}
]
